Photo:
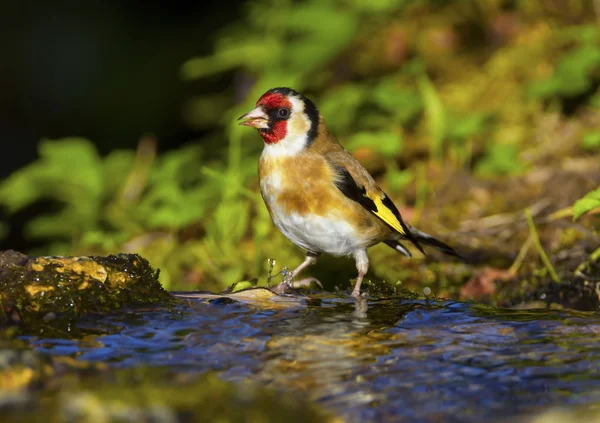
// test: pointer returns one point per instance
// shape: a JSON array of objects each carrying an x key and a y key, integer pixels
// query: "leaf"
[
  {"x": 403, "y": 102},
  {"x": 386, "y": 143},
  {"x": 50, "y": 177},
  {"x": 340, "y": 106},
  {"x": 467, "y": 126},
  {"x": 320, "y": 32},
  {"x": 398, "y": 179},
  {"x": 501, "y": 159},
  {"x": 377, "y": 6},
  {"x": 573, "y": 74},
  {"x": 589, "y": 202},
  {"x": 115, "y": 169},
  {"x": 591, "y": 141},
  {"x": 252, "y": 52},
  {"x": 435, "y": 115}
]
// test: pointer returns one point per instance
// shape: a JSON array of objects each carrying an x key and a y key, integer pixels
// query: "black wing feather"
[{"x": 348, "y": 186}]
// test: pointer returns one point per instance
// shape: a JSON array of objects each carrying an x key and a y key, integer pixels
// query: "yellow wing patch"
[{"x": 387, "y": 215}]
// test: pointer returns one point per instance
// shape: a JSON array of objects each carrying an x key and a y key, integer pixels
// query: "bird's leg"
[
  {"x": 311, "y": 258},
  {"x": 356, "y": 290},
  {"x": 362, "y": 265}
]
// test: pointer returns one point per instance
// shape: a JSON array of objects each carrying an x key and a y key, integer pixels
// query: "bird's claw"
[
  {"x": 358, "y": 294},
  {"x": 305, "y": 283},
  {"x": 288, "y": 283}
]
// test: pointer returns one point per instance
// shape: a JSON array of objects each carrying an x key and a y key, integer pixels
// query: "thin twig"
[
  {"x": 522, "y": 253},
  {"x": 538, "y": 246},
  {"x": 138, "y": 176},
  {"x": 503, "y": 219}
]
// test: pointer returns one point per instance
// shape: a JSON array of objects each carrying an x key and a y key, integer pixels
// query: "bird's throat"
[{"x": 275, "y": 133}]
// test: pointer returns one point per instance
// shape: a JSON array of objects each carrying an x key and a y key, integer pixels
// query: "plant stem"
[{"x": 538, "y": 246}]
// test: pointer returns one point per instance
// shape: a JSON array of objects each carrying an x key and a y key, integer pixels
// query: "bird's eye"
[{"x": 283, "y": 113}]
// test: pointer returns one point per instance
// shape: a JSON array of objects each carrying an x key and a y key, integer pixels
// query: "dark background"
[{"x": 107, "y": 71}]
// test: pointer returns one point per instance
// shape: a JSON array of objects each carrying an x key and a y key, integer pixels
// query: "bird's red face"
[
  {"x": 270, "y": 117},
  {"x": 284, "y": 118}
]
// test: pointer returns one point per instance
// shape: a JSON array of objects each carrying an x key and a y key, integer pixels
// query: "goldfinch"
[{"x": 318, "y": 195}]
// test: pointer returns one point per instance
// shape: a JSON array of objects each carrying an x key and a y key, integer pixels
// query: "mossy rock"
[{"x": 38, "y": 288}]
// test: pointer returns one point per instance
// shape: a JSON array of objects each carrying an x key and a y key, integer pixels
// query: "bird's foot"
[
  {"x": 356, "y": 293},
  {"x": 288, "y": 283},
  {"x": 305, "y": 283}
]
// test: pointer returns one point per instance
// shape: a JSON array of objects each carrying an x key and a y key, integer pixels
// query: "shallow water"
[{"x": 388, "y": 359}]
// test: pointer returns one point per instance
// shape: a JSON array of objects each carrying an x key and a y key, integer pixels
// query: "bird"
[{"x": 317, "y": 194}]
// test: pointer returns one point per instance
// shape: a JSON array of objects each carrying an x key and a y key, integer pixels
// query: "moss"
[{"x": 32, "y": 288}]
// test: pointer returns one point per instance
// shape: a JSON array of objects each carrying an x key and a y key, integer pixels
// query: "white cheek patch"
[
  {"x": 298, "y": 123},
  {"x": 297, "y": 133}
]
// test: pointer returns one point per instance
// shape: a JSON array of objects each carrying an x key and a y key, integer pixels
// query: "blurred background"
[{"x": 118, "y": 121}]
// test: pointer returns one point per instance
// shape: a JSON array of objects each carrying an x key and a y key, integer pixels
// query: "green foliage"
[
  {"x": 574, "y": 72},
  {"x": 112, "y": 194},
  {"x": 398, "y": 179},
  {"x": 400, "y": 100},
  {"x": 388, "y": 144},
  {"x": 127, "y": 201},
  {"x": 436, "y": 117},
  {"x": 70, "y": 173},
  {"x": 590, "y": 202},
  {"x": 591, "y": 140},
  {"x": 500, "y": 160}
]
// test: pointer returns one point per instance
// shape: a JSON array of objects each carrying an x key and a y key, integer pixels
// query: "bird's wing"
[{"x": 353, "y": 180}]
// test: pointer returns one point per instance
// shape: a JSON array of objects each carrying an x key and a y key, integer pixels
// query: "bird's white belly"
[
  {"x": 328, "y": 234},
  {"x": 318, "y": 233}
]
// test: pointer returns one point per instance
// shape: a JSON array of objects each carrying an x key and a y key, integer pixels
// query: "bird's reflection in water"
[{"x": 360, "y": 308}]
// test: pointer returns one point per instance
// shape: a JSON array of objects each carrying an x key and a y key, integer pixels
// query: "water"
[{"x": 388, "y": 359}]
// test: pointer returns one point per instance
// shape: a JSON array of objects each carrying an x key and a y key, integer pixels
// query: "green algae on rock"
[{"x": 41, "y": 288}]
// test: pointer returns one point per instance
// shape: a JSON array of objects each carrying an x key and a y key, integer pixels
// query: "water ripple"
[{"x": 389, "y": 360}]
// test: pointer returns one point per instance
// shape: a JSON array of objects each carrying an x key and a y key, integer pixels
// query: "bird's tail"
[{"x": 425, "y": 239}]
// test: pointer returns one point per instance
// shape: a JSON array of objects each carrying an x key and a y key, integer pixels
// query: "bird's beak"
[{"x": 256, "y": 118}]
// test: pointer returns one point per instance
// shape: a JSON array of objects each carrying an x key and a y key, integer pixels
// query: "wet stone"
[{"x": 39, "y": 290}]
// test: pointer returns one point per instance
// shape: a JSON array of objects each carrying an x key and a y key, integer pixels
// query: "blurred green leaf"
[
  {"x": 402, "y": 102},
  {"x": 388, "y": 144},
  {"x": 595, "y": 100},
  {"x": 252, "y": 52},
  {"x": 314, "y": 43},
  {"x": 591, "y": 140},
  {"x": 398, "y": 179},
  {"x": 378, "y": 6},
  {"x": 500, "y": 160},
  {"x": 115, "y": 168},
  {"x": 51, "y": 176},
  {"x": 461, "y": 128},
  {"x": 435, "y": 115},
  {"x": 341, "y": 105},
  {"x": 573, "y": 74},
  {"x": 591, "y": 201}
]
